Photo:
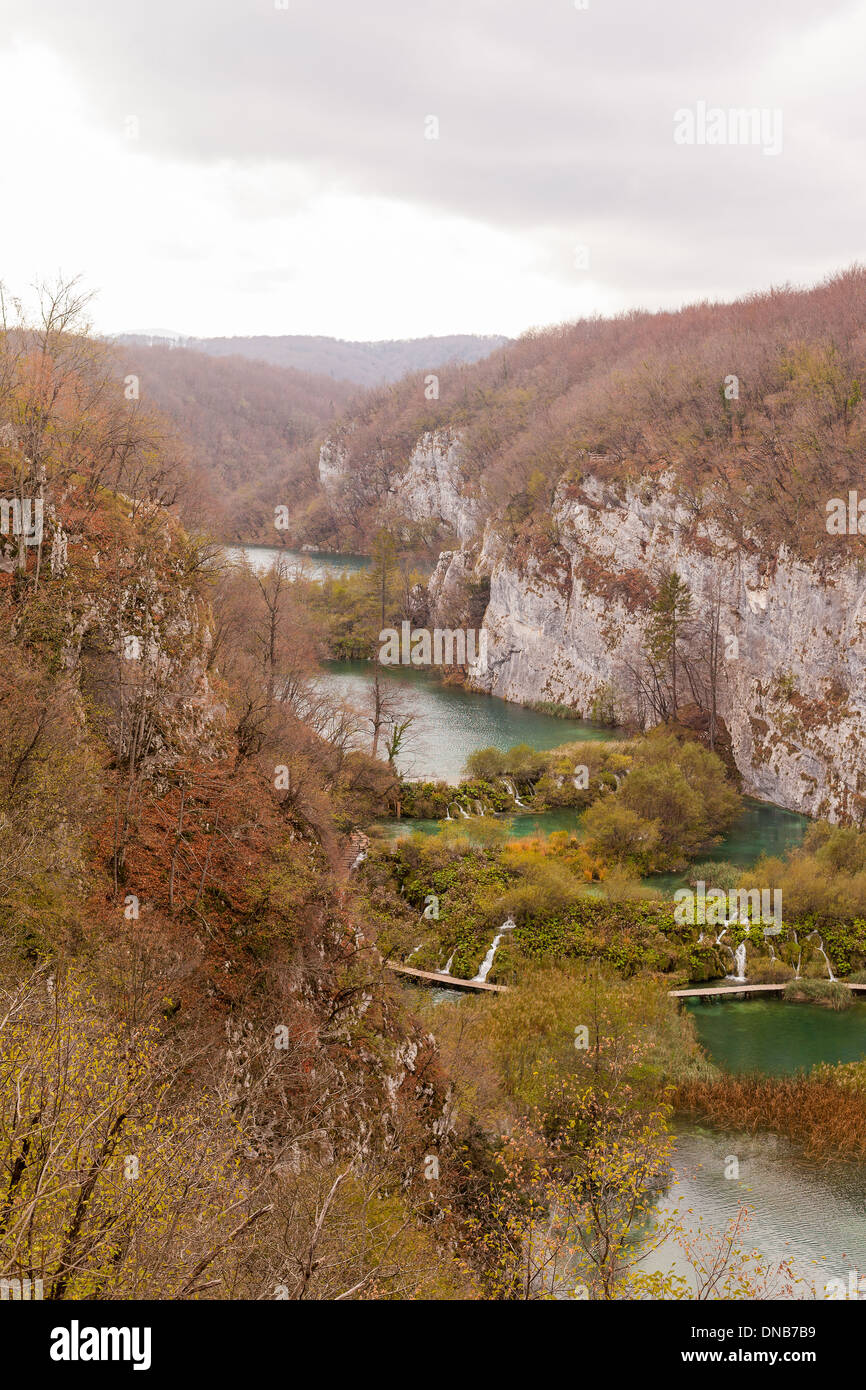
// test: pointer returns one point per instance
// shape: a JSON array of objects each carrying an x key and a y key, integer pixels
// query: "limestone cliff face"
[
  {"x": 566, "y": 619},
  {"x": 433, "y": 486},
  {"x": 332, "y": 464},
  {"x": 565, "y": 625}
]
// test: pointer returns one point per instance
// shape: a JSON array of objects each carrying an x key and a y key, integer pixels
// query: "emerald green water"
[
  {"x": 760, "y": 829},
  {"x": 778, "y": 1039},
  {"x": 516, "y": 827},
  {"x": 449, "y": 722}
]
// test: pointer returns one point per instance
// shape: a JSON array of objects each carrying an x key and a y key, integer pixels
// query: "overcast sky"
[{"x": 234, "y": 167}]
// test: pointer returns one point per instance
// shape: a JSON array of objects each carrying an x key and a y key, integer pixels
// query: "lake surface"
[
  {"x": 760, "y": 829},
  {"x": 312, "y": 564},
  {"x": 450, "y": 722},
  {"x": 770, "y": 1036},
  {"x": 812, "y": 1215}
]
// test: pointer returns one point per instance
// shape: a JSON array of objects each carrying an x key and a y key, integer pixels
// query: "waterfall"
[
  {"x": 830, "y": 974},
  {"x": 448, "y": 964},
  {"x": 447, "y": 813},
  {"x": 464, "y": 814},
  {"x": 479, "y": 809},
  {"x": 484, "y": 968},
  {"x": 414, "y": 952},
  {"x": 511, "y": 788},
  {"x": 700, "y": 939},
  {"x": 720, "y": 935},
  {"x": 740, "y": 958}
]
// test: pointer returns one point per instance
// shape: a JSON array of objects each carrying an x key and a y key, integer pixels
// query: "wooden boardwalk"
[
  {"x": 431, "y": 977},
  {"x": 705, "y": 991}
]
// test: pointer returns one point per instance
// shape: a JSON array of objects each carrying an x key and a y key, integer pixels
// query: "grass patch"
[
  {"x": 831, "y": 994},
  {"x": 822, "y": 1112}
]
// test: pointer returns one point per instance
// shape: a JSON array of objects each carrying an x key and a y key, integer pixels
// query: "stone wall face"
[{"x": 565, "y": 625}]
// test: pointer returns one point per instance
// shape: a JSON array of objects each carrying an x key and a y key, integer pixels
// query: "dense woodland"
[{"x": 244, "y": 424}]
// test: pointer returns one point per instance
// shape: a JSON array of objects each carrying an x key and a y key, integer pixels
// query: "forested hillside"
[
  {"x": 755, "y": 407},
  {"x": 198, "y": 1042},
  {"x": 243, "y": 424}
]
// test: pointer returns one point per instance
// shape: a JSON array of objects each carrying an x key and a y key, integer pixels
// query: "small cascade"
[
  {"x": 700, "y": 939},
  {"x": 448, "y": 964},
  {"x": 479, "y": 809},
  {"x": 447, "y": 813},
  {"x": 830, "y": 975},
  {"x": 511, "y": 788},
  {"x": 486, "y": 964},
  {"x": 720, "y": 935},
  {"x": 740, "y": 959},
  {"x": 414, "y": 952},
  {"x": 772, "y": 952},
  {"x": 464, "y": 814}
]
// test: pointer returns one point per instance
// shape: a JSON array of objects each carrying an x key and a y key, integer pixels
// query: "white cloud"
[{"x": 281, "y": 183}]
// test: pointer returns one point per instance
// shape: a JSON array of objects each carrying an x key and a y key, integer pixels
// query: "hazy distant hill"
[
  {"x": 366, "y": 364},
  {"x": 241, "y": 421}
]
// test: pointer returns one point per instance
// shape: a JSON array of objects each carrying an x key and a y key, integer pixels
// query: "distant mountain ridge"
[{"x": 364, "y": 364}]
